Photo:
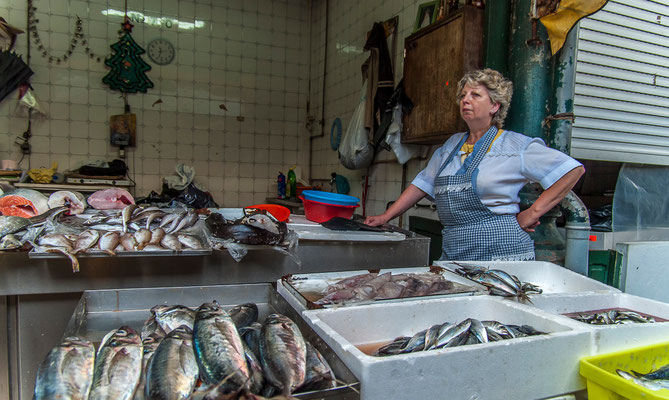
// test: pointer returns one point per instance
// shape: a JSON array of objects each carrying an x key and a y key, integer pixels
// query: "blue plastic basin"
[{"x": 330, "y": 198}]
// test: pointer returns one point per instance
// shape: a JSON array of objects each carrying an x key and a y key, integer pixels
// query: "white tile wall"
[
  {"x": 349, "y": 21},
  {"x": 251, "y": 56}
]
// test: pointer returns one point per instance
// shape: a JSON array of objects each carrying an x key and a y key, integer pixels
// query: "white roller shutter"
[{"x": 621, "y": 100}]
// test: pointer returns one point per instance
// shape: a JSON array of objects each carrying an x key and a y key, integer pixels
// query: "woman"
[{"x": 475, "y": 178}]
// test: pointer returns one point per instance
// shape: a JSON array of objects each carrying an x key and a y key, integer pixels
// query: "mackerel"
[
  {"x": 172, "y": 370},
  {"x": 66, "y": 372},
  {"x": 283, "y": 353},
  {"x": 118, "y": 366}
]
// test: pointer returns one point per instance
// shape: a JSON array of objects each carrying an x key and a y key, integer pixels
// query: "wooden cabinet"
[{"x": 435, "y": 59}]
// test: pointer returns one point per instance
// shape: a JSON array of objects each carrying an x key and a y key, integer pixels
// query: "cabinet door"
[{"x": 435, "y": 59}]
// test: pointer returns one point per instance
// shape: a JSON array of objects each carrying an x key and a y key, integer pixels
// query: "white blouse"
[{"x": 513, "y": 161}]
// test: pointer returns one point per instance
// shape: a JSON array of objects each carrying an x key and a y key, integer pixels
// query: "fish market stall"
[{"x": 30, "y": 285}]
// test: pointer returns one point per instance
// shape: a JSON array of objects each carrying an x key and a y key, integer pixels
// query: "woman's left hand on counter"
[{"x": 527, "y": 220}]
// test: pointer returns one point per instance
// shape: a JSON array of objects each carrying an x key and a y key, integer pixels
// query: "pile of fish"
[
  {"x": 373, "y": 286},
  {"x": 498, "y": 282},
  {"x": 469, "y": 331},
  {"x": 255, "y": 227},
  {"x": 654, "y": 380},
  {"x": 612, "y": 317},
  {"x": 16, "y": 231},
  {"x": 131, "y": 229},
  {"x": 227, "y": 353}
]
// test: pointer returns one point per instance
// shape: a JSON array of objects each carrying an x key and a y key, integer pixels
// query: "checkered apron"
[{"x": 471, "y": 231}]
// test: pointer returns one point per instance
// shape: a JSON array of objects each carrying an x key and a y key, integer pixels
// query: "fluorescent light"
[{"x": 167, "y": 22}]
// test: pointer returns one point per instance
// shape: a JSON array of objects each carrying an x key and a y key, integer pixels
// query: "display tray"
[
  {"x": 148, "y": 253},
  {"x": 532, "y": 367},
  {"x": 100, "y": 311},
  {"x": 303, "y": 290},
  {"x": 551, "y": 278},
  {"x": 608, "y": 338}
]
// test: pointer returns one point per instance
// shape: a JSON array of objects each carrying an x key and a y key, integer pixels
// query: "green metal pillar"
[
  {"x": 496, "y": 35},
  {"x": 562, "y": 101},
  {"x": 530, "y": 71}
]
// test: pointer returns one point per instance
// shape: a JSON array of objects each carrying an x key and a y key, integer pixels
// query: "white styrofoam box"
[
  {"x": 551, "y": 278},
  {"x": 318, "y": 282},
  {"x": 609, "y": 338},
  {"x": 523, "y": 368},
  {"x": 643, "y": 269}
]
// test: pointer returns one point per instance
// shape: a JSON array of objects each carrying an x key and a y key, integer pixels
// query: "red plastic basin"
[
  {"x": 320, "y": 212},
  {"x": 281, "y": 213}
]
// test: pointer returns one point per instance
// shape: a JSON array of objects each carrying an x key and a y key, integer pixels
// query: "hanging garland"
[{"x": 79, "y": 37}]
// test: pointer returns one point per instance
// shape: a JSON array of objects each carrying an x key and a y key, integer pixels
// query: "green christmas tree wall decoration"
[{"x": 127, "y": 67}]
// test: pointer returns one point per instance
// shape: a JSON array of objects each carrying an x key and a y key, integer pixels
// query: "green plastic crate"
[{"x": 604, "y": 266}]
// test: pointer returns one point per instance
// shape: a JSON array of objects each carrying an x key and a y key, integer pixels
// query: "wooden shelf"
[{"x": 63, "y": 186}]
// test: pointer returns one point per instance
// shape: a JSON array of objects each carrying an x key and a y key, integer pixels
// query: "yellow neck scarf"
[{"x": 468, "y": 149}]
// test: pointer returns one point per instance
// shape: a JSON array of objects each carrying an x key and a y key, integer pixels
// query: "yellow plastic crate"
[{"x": 605, "y": 384}]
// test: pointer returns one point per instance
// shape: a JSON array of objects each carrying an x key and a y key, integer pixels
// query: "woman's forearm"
[
  {"x": 554, "y": 194},
  {"x": 407, "y": 199}
]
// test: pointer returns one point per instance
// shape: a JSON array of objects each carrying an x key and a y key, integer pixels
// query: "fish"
[
  {"x": 85, "y": 241},
  {"x": 170, "y": 219},
  {"x": 187, "y": 221},
  {"x": 240, "y": 232},
  {"x": 319, "y": 375},
  {"x": 152, "y": 216},
  {"x": 151, "y": 327},
  {"x": 219, "y": 350},
  {"x": 10, "y": 242},
  {"x": 108, "y": 242},
  {"x": 110, "y": 199},
  {"x": 262, "y": 221},
  {"x": 655, "y": 380},
  {"x": 172, "y": 317},
  {"x": 128, "y": 242},
  {"x": 478, "y": 331},
  {"x": 189, "y": 242},
  {"x": 12, "y": 224},
  {"x": 257, "y": 379},
  {"x": 55, "y": 240},
  {"x": 67, "y": 371},
  {"x": 74, "y": 201},
  {"x": 118, "y": 365},
  {"x": 171, "y": 242},
  {"x": 454, "y": 335},
  {"x": 283, "y": 353},
  {"x": 157, "y": 235},
  {"x": 23, "y": 203},
  {"x": 172, "y": 370},
  {"x": 143, "y": 237},
  {"x": 251, "y": 336},
  {"x": 244, "y": 314},
  {"x": 126, "y": 214},
  {"x": 149, "y": 345}
]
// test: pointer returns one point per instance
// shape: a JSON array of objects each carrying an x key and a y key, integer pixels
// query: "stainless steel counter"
[{"x": 41, "y": 294}]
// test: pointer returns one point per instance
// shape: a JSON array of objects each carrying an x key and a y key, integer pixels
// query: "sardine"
[
  {"x": 478, "y": 330},
  {"x": 172, "y": 370},
  {"x": 416, "y": 343},
  {"x": 67, "y": 371},
  {"x": 283, "y": 353},
  {"x": 453, "y": 335},
  {"x": 172, "y": 317},
  {"x": 85, "y": 241},
  {"x": 118, "y": 365},
  {"x": 219, "y": 350},
  {"x": 108, "y": 242},
  {"x": 189, "y": 242},
  {"x": 643, "y": 380},
  {"x": 244, "y": 314}
]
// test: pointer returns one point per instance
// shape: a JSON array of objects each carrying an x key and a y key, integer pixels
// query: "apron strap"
[
  {"x": 480, "y": 150},
  {"x": 453, "y": 153}
]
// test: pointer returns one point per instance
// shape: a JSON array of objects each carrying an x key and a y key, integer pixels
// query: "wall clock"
[{"x": 161, "y": 51}]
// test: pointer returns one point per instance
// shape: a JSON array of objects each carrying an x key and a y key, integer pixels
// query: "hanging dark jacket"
[{"x": 378, "y": 70}]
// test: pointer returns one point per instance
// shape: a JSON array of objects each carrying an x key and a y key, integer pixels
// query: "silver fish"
[
  {"x": 283, "y": 353},
  {"x": 142, "y": 236},
  {"x": 126, "y": 214},
  {"x": 141, "y": 213},
  {"x": 171, "y": 242},
  {"x": 149, "y": 345},
  {"x": 190, "y": 242},
  {"x": 67, "y": 371},
  {"x": 478, "y": 330},
  {"x": 172, "y": 317},
  {"x": 244, "y": 314},
  {"x": 642, "y": 380},
  {"x": 219, "y": 350},
  {"x": 10, "y": 242},
  {"x": 454, "y": 335},
  {"x": 55, "y": 240},
  {"x": 262, "y": 221},
  {"x": 154, "y": 247},
  {"x": 86, "y": 240},
  {"x": 11, "y": 224},
  {"x": 151, "y": 327},
  {"x": 152, "y": 216},
  {"x": 172, "y": 371},
  {"x": 186, "y": 222},
  {"x": 129, "y": 242},
  {"x": 108, "y": 242},
  {"x": 172, "y": 220},
  {"x": 319, "y": 374},
  {"x": 118, "y": 365},
  {"x": 255, "y": 370},
  {"x": 157, "y": 235}
]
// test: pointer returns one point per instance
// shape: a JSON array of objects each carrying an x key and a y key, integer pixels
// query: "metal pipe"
[
  {"x": 496, "y": 35},
  {"x": 325, "y": 68},
  {"x": 577, "y": 227}
]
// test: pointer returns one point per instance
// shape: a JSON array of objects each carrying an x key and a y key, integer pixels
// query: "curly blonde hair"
[{"x": 499, "y": 89}]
